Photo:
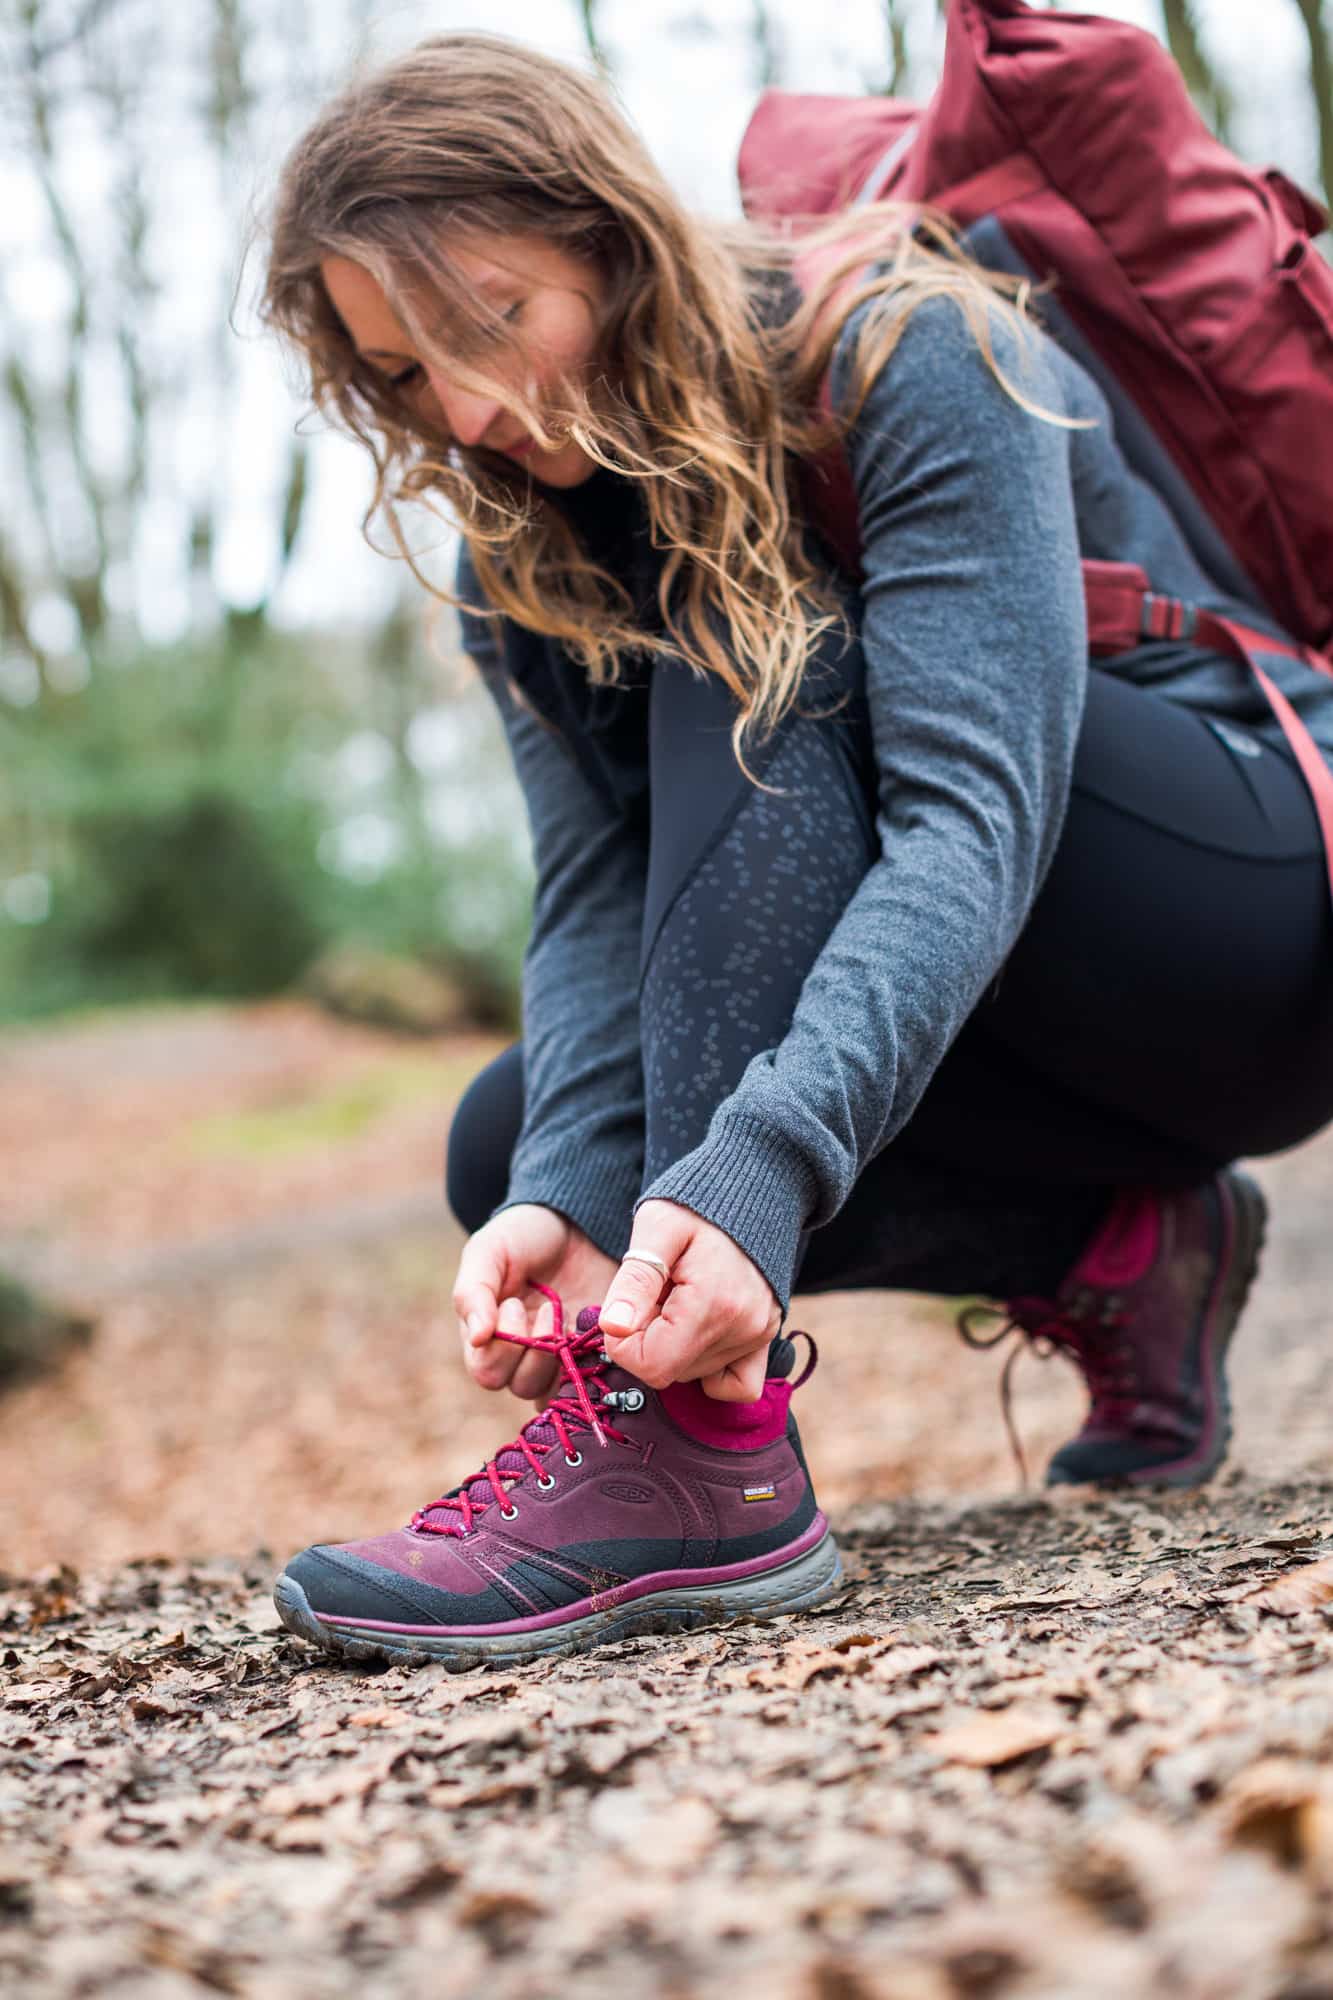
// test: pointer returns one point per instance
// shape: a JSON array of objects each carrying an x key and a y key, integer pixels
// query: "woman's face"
[{"x": 553, "y": 299}]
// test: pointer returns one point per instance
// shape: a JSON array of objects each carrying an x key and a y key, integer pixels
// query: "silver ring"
[{"x": 647, "y": 1257}]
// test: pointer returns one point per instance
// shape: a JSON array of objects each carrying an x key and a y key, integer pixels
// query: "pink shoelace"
[
  {"x": 581, "y": 1362},
  {"x": 1088, "y": 1330}
]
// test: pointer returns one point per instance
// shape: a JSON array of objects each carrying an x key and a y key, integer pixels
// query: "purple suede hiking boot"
[
  {"x": 1147, "y": 1314},
  {"x": 619, "y": 1509}
]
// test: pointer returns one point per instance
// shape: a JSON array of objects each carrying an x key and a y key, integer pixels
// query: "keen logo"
[{"x": 760, "y": 1493}]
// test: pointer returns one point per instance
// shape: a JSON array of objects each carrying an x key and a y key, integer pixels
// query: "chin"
[{"x": 562, "y": 468}]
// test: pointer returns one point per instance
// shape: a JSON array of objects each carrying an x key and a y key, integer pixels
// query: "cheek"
[{"x": 565, "y": 339}]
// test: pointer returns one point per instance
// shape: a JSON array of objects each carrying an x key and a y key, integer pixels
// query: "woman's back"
[{"x": 1120, "y": 517}]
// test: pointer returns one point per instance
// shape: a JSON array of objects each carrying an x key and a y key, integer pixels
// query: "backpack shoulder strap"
[{"x": 1123, "y": 611}]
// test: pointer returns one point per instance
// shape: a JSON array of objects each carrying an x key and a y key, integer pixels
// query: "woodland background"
[
  {"x": 264, "y": 885},
  {"x": 228, "y": 742}
]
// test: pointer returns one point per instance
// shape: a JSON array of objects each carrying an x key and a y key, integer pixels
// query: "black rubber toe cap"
[{"x": 338, "y": 1584}]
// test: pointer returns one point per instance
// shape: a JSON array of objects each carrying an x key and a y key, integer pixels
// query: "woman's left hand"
[{"x": 710, "y": 1321}]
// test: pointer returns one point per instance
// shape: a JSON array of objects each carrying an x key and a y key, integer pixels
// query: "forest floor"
[{"x": 1069, "y": 1745}]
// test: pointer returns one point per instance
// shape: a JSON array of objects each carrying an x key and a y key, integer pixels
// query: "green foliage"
[
  {"x": 193, "y": 894},
  {"x": 34, "y": 1334},
  {"x": 188, "y": 809}
]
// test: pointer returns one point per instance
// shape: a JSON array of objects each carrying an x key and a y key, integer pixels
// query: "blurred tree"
[
  {"x": 1206, "y": 87},
  {"x": 895, "y": 21},
  {"x": 767, "y": 47},
  {"x": 1321, "y": 84},
  {"x": 110, "y": 107},
  {"x": 153, "y": 813},
  {"x": 588, "y": 15}
]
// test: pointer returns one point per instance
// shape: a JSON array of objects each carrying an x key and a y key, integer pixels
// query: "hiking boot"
[
  {"x": 618, "y": 1509},
  {"x": 1147, "y": 1314}
]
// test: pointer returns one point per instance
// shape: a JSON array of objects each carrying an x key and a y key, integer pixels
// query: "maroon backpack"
[{"x": 1066, "y": 146}]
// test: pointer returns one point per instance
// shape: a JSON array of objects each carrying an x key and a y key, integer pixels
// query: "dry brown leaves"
[
  {"x": 1055, "y": 1747},
  {"x": 984, "y": 1772}
]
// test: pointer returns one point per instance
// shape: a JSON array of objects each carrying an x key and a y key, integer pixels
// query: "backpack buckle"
[{"x": 1166, "y": 617}]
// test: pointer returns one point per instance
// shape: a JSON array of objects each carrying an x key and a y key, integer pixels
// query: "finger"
[
  {"x": 636, "y": 1289},
  {"x": 662, "y": 1352},
  {"x": 632, "y": 1299},
  {"x": 494, "y": 1364},
  {"x": 741, "y": 1381},
  {"x": 477, "y": 1288},
  {"x": 534, "y": 1376}
]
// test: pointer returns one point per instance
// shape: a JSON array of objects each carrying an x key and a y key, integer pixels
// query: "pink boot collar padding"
[
  {"x": 1126, "y": 1242},
  {"x": 728, "y": 1426}
]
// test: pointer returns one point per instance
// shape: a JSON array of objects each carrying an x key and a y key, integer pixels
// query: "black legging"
[{"x": 1167, "y": 1008}]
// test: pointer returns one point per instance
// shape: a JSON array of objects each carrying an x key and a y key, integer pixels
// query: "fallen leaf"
[
  {"x": 1281, "y": 1806},
  {"x": 902, "y": 1663},
  {"x": 797, "y": 1666},
  {"x": 994, "y": 1737},
  {"x": 1298, "y": 1590}
]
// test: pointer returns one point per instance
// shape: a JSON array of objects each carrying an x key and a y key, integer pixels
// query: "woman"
[{"x": 877, "y": 940}]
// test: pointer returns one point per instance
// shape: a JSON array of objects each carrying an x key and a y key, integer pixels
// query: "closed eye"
[{"x": 410, "y": 373}]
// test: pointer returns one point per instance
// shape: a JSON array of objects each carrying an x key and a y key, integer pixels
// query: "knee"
[{"x": 481, "y": 1139}]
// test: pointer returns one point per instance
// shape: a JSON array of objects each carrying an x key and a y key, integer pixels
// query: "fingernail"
[{"x": 620, "y": 1314}]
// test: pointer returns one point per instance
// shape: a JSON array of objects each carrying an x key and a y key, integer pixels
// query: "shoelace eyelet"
[
  {"x": 577, "y": 1458},
  {"x": 546, "y": 1482},
  {"x": 509, "y": 1513}
]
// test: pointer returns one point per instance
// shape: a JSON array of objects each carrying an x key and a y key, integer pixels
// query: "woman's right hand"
[{"x": 496, "y": 1290}]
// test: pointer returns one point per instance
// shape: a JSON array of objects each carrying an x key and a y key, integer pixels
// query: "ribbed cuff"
[
  {"x": 751, "y": 1181},
  {"x": 595, "y": 1192}
]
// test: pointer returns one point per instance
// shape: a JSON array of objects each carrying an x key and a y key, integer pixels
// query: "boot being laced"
[{"x": 617, "y": 1509}]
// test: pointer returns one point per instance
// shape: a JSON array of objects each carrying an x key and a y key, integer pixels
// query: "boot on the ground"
[
  {"x": 1147, "y": 1314},
  {"x": 618, "y": 1509}
]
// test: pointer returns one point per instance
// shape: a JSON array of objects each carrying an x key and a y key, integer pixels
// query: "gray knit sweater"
[{"x": 974, "y": 515}]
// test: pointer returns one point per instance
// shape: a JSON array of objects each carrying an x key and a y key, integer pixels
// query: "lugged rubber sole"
[
  {"x": 797, "y": 1586},
  {"x": 1249, "y": 1220}
]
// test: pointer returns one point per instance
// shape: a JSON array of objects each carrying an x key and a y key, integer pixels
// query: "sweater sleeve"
[
  {"x": 974, "y": 634},
  {"x": 580, "y": 1148}
]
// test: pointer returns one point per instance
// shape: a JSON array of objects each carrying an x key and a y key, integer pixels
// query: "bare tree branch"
[
  {"x": 588, "y": 12},
  {"x": 1321, "y": 83},
  {"x": 83, "y": 584},
  {"x": 899, "y": 59},
  {"x": 1205, "y": 86},
  {"x": 768, "y": 47},
  {"x": 14, "y": 627}
]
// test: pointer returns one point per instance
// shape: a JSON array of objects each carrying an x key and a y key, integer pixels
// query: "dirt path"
[
  {"x": 1037, "y": 1750},
  {"x": 1030, "y": 1752}
]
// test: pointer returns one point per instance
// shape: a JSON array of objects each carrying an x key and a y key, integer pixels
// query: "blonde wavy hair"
[{"x": 694, "y": 393}]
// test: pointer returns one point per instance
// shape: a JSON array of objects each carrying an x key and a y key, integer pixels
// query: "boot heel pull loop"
[{"x": 799, "y": 1333}]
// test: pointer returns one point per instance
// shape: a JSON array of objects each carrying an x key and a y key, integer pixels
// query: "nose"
[{"x": 469, "y": 417}]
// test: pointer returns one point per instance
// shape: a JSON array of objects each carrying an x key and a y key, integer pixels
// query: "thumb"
[{"x": 631, "y": 1301}]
